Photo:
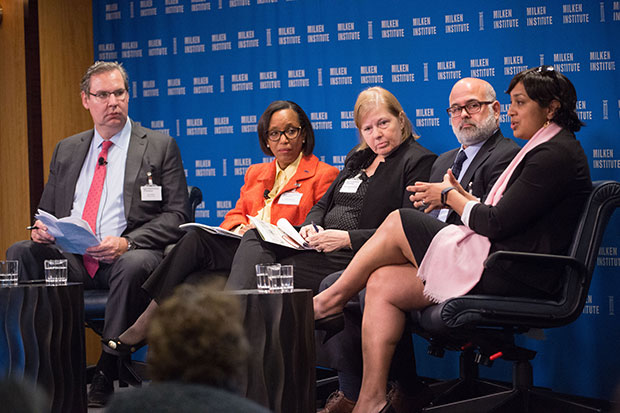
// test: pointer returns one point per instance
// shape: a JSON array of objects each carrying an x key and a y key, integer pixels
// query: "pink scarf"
[{"x": 455, "y": 259}]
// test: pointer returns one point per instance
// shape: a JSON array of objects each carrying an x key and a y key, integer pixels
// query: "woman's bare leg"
[
  {"x": 390, "y": 291},
  {"x": 388, "y": 246}
]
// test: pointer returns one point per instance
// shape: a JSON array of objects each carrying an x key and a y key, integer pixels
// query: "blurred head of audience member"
[
  {"x": 197, "y": 336},
  {"x": 22, "y": 397},
  {"x": 197, "y": 353}
]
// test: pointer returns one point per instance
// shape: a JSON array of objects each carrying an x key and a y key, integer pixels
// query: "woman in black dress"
[{"x": 533, "y": 207}]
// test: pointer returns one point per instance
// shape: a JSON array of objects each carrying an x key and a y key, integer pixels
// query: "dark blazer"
[
  {"x": 539, "y": 208},
  {"x": 160, "y": 397},
  {"x": 488, "y": 164},
  {"x": 150, "y": 224},
  {"x": 410, "y": 162}
]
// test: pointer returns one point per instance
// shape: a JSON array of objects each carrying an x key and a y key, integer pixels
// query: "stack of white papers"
[
  {"x": 283, "y": 234},
  {"x": 72, "y": 234}
]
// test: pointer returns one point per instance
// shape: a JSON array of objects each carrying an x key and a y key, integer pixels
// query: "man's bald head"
[{"x": 471, "y": 128}]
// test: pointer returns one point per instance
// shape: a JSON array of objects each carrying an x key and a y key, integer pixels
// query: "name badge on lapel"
[
  {"x": 150, "y": 191},
  {"x": 350, "y": 185},
  {"x": 290, "y": 198}
]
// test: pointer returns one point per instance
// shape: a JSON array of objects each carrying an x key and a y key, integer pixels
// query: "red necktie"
[{"x": 91, "y": 207}]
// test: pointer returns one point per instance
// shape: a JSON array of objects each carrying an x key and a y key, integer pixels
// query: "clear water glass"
[
  {"x": 286, "y": 278},
  {"x": 8, "y": 272},
  {"x": 55, "y": 272},
  {"x": 262, "y": 278},
  {"x": 275, "y": 280}
]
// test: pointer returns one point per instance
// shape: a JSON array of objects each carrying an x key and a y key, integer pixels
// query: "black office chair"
[
  {"x": 484, "y": 327},
  {"x": 195, "y": 198},
  {"x": 95, "y": 300}
]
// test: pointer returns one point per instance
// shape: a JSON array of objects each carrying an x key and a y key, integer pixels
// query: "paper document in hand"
[
  {"x": 72, "y": 234},
  {"x": 211, "y": 230},
  {"x": 284, "y": 234},
  {"x": 289, "y": 230}
]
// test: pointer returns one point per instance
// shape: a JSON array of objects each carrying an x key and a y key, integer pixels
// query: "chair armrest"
[
  {"x": 195, "y": 198},
  {"x": 534, "y": 258}
]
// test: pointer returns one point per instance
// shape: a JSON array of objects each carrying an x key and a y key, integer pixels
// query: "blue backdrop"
[{"x": 204, "y": 71}]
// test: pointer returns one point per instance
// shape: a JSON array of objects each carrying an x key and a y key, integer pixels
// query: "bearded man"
[
  {"x": 479, "y": 161},
  {"x": 484, "y": 152}
]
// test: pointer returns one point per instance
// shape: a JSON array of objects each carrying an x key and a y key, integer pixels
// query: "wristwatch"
[
  {"x": 130, "y": 244},
  {"x": 444, "y": 195}
]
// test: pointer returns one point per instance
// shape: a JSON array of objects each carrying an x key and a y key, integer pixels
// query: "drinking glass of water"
[
  {"x": 275, "y": 280},
  {"x": 8, "y": 272},
  {"x": 262, "y": 279},
  {"x": 55, "y": 272},
  {"x": 286, "y": 278}
]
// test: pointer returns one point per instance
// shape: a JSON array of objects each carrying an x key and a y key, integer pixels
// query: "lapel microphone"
[
  {"x": 102, "y": 161},
  {"x": 266, "y": 194}
]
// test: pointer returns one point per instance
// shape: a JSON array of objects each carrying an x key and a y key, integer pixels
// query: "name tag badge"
[
  {"x": 150, "y": 192},
  {"x": 350, "y": 185},
  {"x": 290, "y": 198}
]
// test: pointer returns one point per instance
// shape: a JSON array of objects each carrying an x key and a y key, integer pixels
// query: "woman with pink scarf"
[{"x": 415, "y": 260}]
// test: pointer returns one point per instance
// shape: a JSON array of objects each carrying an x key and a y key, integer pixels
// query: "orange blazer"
[{"x": 312, "y": 179}]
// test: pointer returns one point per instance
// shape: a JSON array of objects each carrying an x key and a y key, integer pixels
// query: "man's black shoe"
[{"x": 101, "y": 388}]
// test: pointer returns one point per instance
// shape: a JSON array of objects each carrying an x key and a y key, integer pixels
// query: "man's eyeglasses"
[
  {"x": 103, "y": 95},
  {"x": 291, "y": 133},
  {"x": 471, "y": 107}
]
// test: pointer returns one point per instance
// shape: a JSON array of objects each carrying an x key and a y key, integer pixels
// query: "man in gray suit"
[
  {"x": 477, "y": 163},
  {"x": 128, "y": 183}
]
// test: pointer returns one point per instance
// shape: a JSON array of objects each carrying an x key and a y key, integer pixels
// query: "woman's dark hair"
[
  {"x": 307, "y": 133},
  {"x": 544, "y": 84}
]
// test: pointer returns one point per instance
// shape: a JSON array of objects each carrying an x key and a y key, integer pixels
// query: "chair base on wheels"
[
  {"x": 486, "y": 326},
  {"x": 477, "y": 395}
]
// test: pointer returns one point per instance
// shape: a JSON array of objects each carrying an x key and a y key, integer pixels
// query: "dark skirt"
[{"x": 420, "y": 228}]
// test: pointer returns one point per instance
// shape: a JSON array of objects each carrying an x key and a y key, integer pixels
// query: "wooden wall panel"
[
  {"x": 14, "y": 189},
  {"x": 66, "y": 51}
]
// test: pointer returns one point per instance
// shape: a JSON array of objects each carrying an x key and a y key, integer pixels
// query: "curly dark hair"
[
  {"x": 544, "y": 84},
  {"x": 197, "y": 336},
  {"x": 307, "y": 133}
]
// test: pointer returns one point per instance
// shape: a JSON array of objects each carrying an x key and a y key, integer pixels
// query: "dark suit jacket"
[
  {"x": 539, "y": 208},
  {"x": 488, "y": 164},
  {"x": 150, "y": 224},
  {"x": 386, "y": 192},
  {"x": 160, "y": 397}
]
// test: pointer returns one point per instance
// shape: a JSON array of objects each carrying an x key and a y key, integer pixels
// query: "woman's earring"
[{"x": 546, "y": 123}]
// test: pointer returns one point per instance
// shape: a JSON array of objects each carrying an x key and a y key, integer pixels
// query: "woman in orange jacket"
[{"x": 288, "y": 187}]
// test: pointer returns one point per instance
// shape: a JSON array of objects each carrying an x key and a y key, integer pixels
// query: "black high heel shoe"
[
  {"x": 331, "y": 324},
  {"x": 121, "y": 348}
]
